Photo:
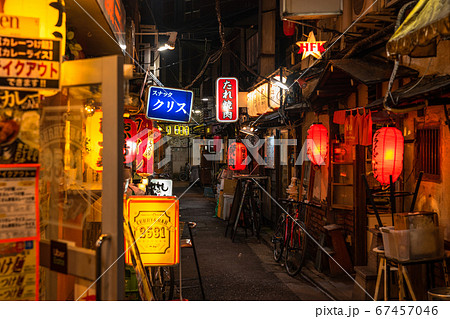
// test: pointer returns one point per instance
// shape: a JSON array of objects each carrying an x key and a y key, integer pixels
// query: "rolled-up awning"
[{"x": 428, "y": 20}]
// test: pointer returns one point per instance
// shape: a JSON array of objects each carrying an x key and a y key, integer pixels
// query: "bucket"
[{"x": 442, "y": 293}]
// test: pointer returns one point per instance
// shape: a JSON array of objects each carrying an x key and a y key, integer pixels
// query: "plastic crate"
[{"x": 413, "y": 244}]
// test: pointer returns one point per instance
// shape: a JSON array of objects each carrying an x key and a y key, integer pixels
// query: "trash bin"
[{"x": 442, "y": 293}]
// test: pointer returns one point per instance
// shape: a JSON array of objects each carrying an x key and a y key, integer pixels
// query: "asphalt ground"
[{"x": 243, "y": 270}]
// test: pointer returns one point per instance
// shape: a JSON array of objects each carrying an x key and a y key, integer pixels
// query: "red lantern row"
[
  {"x": 317, "y": 144},
  {"x": 387, "y": 154}
]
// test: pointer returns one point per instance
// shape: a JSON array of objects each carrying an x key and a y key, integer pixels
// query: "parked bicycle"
[{"x": 290, "y": 236}]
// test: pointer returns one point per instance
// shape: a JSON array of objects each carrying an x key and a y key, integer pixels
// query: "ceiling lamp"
[
  {"x": 317, "y": 142},
  {"x": 237, "y": 154},
  {"x": 387, "y": 154}
]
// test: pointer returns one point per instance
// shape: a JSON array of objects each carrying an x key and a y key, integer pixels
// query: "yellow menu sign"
[{"x": 154, "y": 222}]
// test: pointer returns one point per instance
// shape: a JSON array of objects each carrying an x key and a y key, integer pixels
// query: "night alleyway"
[{"x": 243, "y": 270}]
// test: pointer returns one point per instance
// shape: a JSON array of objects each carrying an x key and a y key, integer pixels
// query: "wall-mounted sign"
[
  {"x": 227, "y": 97},
  {"x": 170, "y": 105},
  {"x": 19, "y": 127},
  {"x": 19, "y": 209},
  {"x": 154, "y": 221},
  {"x": 311, "y": 47},
  {"x": 29, "y": 64},
  {"x": 177, "y": 130},
  {"x": 161, "y": 187},
  {"x": 16, "y": 26},
  {"x": 51, "y": 14},
  {"x": 19, "y": 271},
  {"x": 19, "y": 232}
]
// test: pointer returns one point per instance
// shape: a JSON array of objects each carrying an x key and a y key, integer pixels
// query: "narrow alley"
[{"x": 243, "y": 270}]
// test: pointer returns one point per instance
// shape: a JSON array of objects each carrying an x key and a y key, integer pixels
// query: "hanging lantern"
[
  {"x": 237, "y": 153},
  {"x": 288, "y": 28},
  {"x": 144, "y": 146},
  {"x": 317, "y": 142},
  {"x": 387, "y": 154},
  {"x": 94, "y": 141},
  {"x": 130, "y": 131}
]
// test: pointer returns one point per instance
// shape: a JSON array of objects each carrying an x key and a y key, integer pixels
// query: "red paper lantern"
[
  {"x": 237, "y": 153},
  {"x": 387, "y": 154},
  {"x": 288, "y": 28},
  {"x": 317, "y": 142},
  {"x": 144, "y": 146}
]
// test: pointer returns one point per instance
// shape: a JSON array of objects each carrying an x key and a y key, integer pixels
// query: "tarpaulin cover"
[{"x": 427, "y": 20}]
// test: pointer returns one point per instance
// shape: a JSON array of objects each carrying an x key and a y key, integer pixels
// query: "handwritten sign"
[
  {"x": 19, "y": 274},
  {"x": 154, "y": 222},
  {"x": 19, "y": 208},
  {"x": 161, "y": 187},
  {"x": 171, "y": 105},
  {"x": 29, "y": 64}
]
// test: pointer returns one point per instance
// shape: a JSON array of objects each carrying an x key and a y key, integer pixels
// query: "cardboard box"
[
  {"x": 416, "y": 220},
  {"x": 229, "y": 186}
]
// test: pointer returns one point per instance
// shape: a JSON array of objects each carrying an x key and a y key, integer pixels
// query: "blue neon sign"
[{"x": 171, "y": 105}]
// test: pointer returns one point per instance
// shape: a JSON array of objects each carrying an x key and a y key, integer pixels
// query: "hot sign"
[{"x": 227, "y": 96}]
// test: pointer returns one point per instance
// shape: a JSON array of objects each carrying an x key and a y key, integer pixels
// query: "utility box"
[{"x": 306, "y": 9}]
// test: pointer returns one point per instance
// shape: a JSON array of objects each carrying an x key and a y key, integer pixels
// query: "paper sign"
[
  {"x": 19, "y": 208},
  {"x": 19, "y": 274}
]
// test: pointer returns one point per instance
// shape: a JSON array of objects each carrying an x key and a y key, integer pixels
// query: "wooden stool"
[{"x": 384, "y": 269}]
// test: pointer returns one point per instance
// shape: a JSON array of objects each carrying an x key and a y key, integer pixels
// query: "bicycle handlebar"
[{"x": 307, "y": 203}]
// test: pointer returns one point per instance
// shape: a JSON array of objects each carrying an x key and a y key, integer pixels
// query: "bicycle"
[
  {"x": 290, "y": 236},
  {"x": 162, "y": 282}
]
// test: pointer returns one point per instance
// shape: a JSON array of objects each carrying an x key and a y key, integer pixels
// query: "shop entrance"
[{"x": 81, "y": 187}]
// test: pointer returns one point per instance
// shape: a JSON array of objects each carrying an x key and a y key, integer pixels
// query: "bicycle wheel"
[
  {"x": 183, "y": 177},
  {"x": 278, "y": 239},
  {"x": 162, "y": 282},
  {"x": 295, "y": 249}
]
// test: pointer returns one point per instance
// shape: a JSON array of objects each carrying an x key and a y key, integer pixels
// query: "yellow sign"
[
  {"x": 16, "y": 26},
  {"x": 311, "y": 47},
  {"x": 19, "y": 273},
  {"x": 94, "y": 141},
  {"x": 51, "y": 15},
  {"x": 154, "y": 222},
  {"x": 178, "y": 130}
]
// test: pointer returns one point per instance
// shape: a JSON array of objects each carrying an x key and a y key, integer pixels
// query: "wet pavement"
[{"x": 243, "y": 270}]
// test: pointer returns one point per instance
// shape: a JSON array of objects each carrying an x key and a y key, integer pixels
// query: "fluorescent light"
[
  {"x": 205, "y": 99},
  {"x": 197, "y": 111}
]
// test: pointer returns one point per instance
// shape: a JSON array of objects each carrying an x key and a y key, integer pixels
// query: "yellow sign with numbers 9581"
[{"x": 154, "y": 222}]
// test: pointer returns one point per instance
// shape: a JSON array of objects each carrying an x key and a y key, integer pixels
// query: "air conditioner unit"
[
  {"x": 364, "y": 7},
  {"x": 307, "y": 9}
]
